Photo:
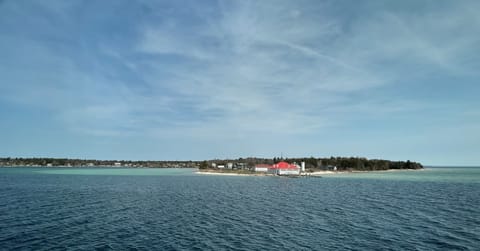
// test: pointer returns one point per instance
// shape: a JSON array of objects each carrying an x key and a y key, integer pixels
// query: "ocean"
[{"x": 176, "y": 209}]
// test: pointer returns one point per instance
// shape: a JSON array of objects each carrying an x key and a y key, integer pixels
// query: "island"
[
  {"x": 303, "y": 166},
  {"x": 240, "y": 166}
]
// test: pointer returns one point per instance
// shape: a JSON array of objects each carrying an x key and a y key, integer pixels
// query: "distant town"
[{"x": 251, "y": 164}]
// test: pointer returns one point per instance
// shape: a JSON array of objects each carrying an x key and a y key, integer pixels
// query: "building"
[
  {"x": 281, "y": 168},
  {"x": 284, "y": 168},
  {"x": 262, "y": 168},
  {"x": 241, "y": 165}
]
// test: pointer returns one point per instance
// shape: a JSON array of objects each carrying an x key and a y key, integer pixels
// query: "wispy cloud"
[{"x": 227, "y": 69}]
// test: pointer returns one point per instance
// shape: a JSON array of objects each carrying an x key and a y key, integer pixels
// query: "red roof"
[
  {"x": 284, "y": 165},
  {"x": 279, "y": 165}
]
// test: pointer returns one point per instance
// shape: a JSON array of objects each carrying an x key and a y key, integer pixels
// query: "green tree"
[{"x": 203, "y": 165}]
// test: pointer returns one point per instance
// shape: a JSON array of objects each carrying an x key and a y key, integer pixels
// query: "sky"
[{"x": 181, "y": 80}]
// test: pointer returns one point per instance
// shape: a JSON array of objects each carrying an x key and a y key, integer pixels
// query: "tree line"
[
  {"x": 332, "y": 163},
  {"x": 355, "y": 163},
  {"x": 92, "y": 162},
  {"x": 311, "y": 163}
]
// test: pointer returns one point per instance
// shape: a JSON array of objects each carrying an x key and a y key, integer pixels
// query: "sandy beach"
[
  {"x": 317, "y": 173},
  {"x": 231, "y": 174}
]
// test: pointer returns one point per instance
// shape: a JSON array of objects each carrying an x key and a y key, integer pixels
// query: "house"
[
  {"x": 281, "y": 168},
  {"x": 240, "y": 165},
  {"x": 284, "y": 168},
  {"x": 262, "y": 168}
]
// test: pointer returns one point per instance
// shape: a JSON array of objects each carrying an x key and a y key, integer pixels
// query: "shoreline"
[
  {"x": 231, "y": 174},
  {"x": 317, "y": 173}
]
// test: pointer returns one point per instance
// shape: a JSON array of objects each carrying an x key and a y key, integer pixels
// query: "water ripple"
[{"x": 191, "y": 212}]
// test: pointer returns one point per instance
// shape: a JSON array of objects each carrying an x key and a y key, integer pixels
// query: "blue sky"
[{"x": 179, "y": 80}]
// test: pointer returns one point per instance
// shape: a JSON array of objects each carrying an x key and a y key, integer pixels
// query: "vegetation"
[
  {"x": 92, "y": 163},
  {"x": 355, "y": 163},
  {"x": 203, "y": 165},
  {"x": 311, "y": 163}
]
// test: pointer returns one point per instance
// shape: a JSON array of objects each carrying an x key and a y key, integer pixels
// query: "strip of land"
[
  {"x": 259, "y": 174},
  {"x": 315, "y": 173},
  {"x": 322, "y": 166}
]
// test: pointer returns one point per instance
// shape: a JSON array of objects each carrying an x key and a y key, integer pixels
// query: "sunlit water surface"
[{"x": 171, "y": 209}]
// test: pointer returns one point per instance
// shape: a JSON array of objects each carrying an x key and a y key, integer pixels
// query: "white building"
[
  {"x": 281, "y": 168},
  {"x": 262, "y": 168},
  {"x": 284, "y": 168},
  {"x": 288, "y": 171}
]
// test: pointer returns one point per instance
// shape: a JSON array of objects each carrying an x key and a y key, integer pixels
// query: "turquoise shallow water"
[
  {"x": 175, "y": 209},
  {"x": 429, "y": 174},
  {"x": 118, "y": 171}
]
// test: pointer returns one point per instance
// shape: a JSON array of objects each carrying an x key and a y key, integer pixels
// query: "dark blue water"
[{"x": 184, "y": 211}]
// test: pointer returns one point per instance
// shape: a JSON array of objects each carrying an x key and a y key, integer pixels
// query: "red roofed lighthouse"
[{"x": 284, "y": 168}]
